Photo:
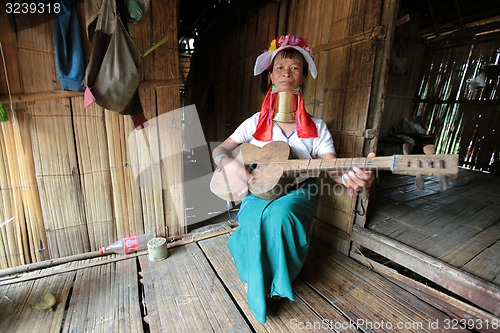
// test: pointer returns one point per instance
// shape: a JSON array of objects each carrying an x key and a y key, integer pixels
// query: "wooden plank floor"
[
  {"x": 196, "y": 289},
  {"x": 460, "y": 226}
]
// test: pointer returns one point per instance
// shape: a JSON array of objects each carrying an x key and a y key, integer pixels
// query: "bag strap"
[{"x": 106, "y": 20}]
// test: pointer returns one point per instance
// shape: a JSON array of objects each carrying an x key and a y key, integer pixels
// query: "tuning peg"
[
  {"x": 419, "y": 181},
  {"x": 443, "y": 183},
  {"x": 429, "y": 149}
]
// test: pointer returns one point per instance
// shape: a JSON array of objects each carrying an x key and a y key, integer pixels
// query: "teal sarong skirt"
[{"x": 271, "y": 243}]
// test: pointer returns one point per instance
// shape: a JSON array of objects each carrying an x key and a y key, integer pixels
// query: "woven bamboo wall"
[
  {"x": 463, "y": 120},
  {"x": 346, "y": 38},
  {"x": 66, "y": 183}
]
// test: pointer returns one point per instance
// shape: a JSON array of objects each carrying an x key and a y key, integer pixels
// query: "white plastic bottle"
[{"x": 128, "y": 244}]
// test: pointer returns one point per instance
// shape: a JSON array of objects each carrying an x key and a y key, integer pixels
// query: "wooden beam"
[
  {"x": 459, "y": 15},
  {"x": 431, "y": 10},
  {"x": 483, "y": 294},
  {"x": 57, "y": 94},
  {"x": 42, "y": 96}
]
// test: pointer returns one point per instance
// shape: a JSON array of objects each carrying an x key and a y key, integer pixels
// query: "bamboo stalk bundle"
[
  {"x": 15, "y": 231},
  {"x": 29, "y": 190},
  {"x": 58, "y": 177},
  {"x": 93, "y": 161},
  {"x": 9, "y": 254}
]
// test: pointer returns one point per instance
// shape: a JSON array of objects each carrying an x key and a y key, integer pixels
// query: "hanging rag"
[
  {"x": 113, "y": 74},
  {"x": 92, "y": 8},
  {"x": 70, "y": 57}
]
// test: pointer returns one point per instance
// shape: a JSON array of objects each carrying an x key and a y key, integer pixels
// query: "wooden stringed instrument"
[{"x": 270, "y": 167}]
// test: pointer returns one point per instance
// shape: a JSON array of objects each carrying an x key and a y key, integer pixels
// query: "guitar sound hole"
[{"x": 253, "y": 166}]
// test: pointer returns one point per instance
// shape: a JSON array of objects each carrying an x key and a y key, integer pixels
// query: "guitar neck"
[
  {"x": 317, "y": 165},
  {"x": 430, "y": 165}
]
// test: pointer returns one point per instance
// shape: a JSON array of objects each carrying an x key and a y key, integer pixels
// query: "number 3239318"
[{"x": 33, "y": 7}]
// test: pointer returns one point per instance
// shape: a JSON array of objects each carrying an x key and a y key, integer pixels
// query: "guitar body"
[{"x": 264, "y": 165}]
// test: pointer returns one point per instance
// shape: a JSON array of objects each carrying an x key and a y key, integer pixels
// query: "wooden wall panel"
[{"x": 462, "y": 120}]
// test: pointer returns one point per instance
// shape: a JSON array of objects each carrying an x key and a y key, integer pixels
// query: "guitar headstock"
[{"x": 426, "y": 165}]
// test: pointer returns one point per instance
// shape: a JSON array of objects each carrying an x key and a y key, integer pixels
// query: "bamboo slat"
[
  {"x": 140, "y": 32},
  {"x": 94, "y": 171},
  {"x": 486, "y": 263},
  {"x": 470, "y": 248},
  {"x": 105, "y": 299},
  {"x": 70, "y": 185},
  {"x": 35, "y": 44},
  {"x": 56, "y": 168},
  {"x": 361, "y": 294},
  {"x": 16, "y": 303},
  {"x": 185, "y": 287},
  {"x": 331, "y": 315},
  {"x": 453, "y": 307}
]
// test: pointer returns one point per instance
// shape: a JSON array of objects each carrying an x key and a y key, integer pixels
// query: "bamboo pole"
[{"x": 173, "y": 242}]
